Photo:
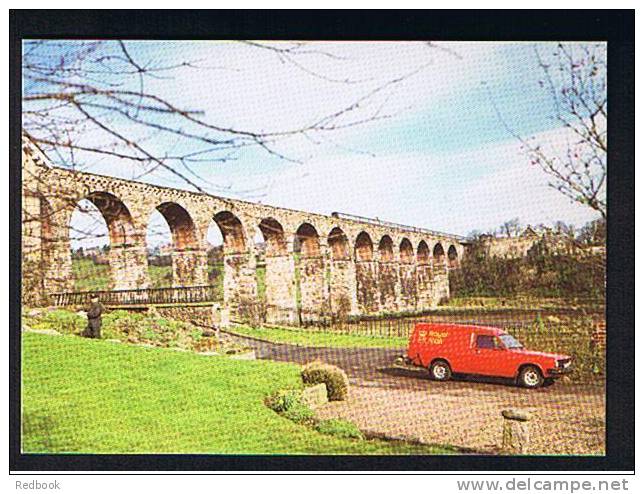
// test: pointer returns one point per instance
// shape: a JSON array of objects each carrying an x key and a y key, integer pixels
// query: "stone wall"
[
  {"x": 199, "y": 315},
  {"x": 408, "y": 284},
  {"x": 388, "y": 286},
  {"x": 331, "y": 274}
]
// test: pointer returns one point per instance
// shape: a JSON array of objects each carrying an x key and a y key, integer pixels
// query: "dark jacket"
[
  {"x": 95, "y": 310},
  {"x": 94, "y": 320}
]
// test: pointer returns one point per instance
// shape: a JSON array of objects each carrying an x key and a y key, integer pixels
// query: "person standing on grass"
[{"x": 94, "y": 319}]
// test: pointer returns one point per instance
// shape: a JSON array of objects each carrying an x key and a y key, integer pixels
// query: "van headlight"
[{"x": 563, "y": 364}]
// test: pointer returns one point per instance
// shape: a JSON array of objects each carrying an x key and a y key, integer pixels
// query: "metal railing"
[
  {"x": 141, "y": 296},
  {"x": 396, "y": 325},
  {"x": 379, "y": 222}
]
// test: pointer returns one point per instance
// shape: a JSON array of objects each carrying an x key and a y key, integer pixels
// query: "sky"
[{"x": 441, "y": 157}]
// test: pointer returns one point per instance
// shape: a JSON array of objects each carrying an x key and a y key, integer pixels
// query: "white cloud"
[
  {"x": 250, "y": 88},
  {"x": 435, "y": 191}
]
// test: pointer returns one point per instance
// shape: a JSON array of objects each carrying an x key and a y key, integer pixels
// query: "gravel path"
[{"x": 388, "y": 400}]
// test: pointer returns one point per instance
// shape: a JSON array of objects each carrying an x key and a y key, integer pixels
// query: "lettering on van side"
[{"x": 432, "y": 337}]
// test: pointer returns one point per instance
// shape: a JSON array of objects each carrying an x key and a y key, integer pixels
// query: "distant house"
[{"x": 521, "y": 245}]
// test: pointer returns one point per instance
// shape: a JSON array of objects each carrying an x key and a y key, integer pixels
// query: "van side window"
[{"x": 485, "y": 341}]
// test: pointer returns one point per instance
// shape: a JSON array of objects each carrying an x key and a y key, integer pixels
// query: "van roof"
[{"x": 456, "y": 326}]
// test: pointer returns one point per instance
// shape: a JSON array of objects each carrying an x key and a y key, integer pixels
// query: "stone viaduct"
[{"x": 344, "y": 265}]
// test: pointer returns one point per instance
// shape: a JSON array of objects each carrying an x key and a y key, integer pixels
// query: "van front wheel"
[
  {"x": 530, "y": 377},
  {"x": 440, "y": 371}
]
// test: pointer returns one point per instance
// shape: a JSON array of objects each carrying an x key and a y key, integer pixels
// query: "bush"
[
  {"x": 571, "y": 337},
  {"x": 300, "y": 414},
  {"x": 337, "y": 382},
  {"x": 340, "y": 428},
  {"x": 288, "y": 403},
  {"x": 283, "y": 400},
  {"x": 63, "y": 321},
  {"x": 540, "y": 273}
]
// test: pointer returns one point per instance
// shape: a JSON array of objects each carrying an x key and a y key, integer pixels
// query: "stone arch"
[
  {"x": 422, "y": 253},
  {"x": 364, "y": 247},
  {"x": 406, "y": 251},
  {"x": 341, "y": 274},
  {"x": 438, "y": 254},
  {"x": 232, "y": 231},
  {"x": 279, "y": 273},
  {"x": 188, "y": 257},
  {"x": 117, "y": 216},
  {"x": 127, "y": 257},
  {"x": 386, "y": 249},
  {"x": 441, "y": 281},
  {"x": 452, "y": 257},
  {"x": 308, "y": 239},
  {"x": 274, "y": 236},
  {"x": 184, "y": 232},
  {"x": 239, "y": 276},
  {"x": 338, "y": 244},
  {"x": 423, "y": 277},
  {"x": 42, "y": 274},
  {"x": 310, "y": 267},
  {"x": 366, "y": 274},
  {"x": 407, "y": 276},
  {"x": 387, "y": 275}
]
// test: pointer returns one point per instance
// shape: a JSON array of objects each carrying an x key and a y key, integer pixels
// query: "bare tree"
[
  {"x": 568, "y": 230},
  {"x": 593, "y": 233},
  {"x": 511, "y": 228},
  {"x": 87, "y": 100},
  {"x": 575, "y": 76}
]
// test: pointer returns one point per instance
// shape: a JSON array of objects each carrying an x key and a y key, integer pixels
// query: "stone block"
[
  {"x": 516, "y": 431},
  {"x": 315, "y": 396}
]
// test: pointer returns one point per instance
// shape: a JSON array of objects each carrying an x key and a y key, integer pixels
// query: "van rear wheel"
[
  {"x": 530, "y": 377},
  {"x": 440, "y": 371}
]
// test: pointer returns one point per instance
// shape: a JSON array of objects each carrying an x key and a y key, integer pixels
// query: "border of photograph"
[{"x": 617, "y": 27}]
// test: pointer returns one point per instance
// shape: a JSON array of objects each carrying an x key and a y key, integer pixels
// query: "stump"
[{"x": 516, "y": 431}]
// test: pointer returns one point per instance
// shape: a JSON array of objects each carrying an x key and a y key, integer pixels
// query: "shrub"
[
  {"x": 337, "y": 382},
  {"x": 571, "y": 337},
  {"x": 283, "y": 400},
  {"x": 300, "y": 414},
  {"x": 288, "y": 403},
  {"x": 340, "y": 428},
  {"x": 63, "y": 321},
  {"x": 540, "y": 273}
]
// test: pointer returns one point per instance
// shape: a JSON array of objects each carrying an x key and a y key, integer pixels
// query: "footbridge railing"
[{"x": 142, "y": 296}]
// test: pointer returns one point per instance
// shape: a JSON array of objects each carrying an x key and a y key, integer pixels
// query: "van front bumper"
[{"x": 559, "y": 371}]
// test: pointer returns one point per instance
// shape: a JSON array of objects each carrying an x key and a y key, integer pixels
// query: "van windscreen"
[{"x": 509, "y": 341}]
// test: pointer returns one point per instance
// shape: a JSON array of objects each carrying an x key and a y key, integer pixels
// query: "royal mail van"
[{"x": 447, "y": 349}]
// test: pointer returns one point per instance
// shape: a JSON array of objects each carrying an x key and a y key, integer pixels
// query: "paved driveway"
[{"x": 394, "y": 402}]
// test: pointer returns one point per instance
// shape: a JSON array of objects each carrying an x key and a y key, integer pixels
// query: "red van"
[{"x": 466, "y": 349}]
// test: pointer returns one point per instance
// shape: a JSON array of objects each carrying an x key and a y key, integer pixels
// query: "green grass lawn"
[
  {"x": 160, "y": 276},
  {"x": 88, "y": 396},
  {"x": 89, "y": 276},
  {"x": 318, "y": 338}
]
